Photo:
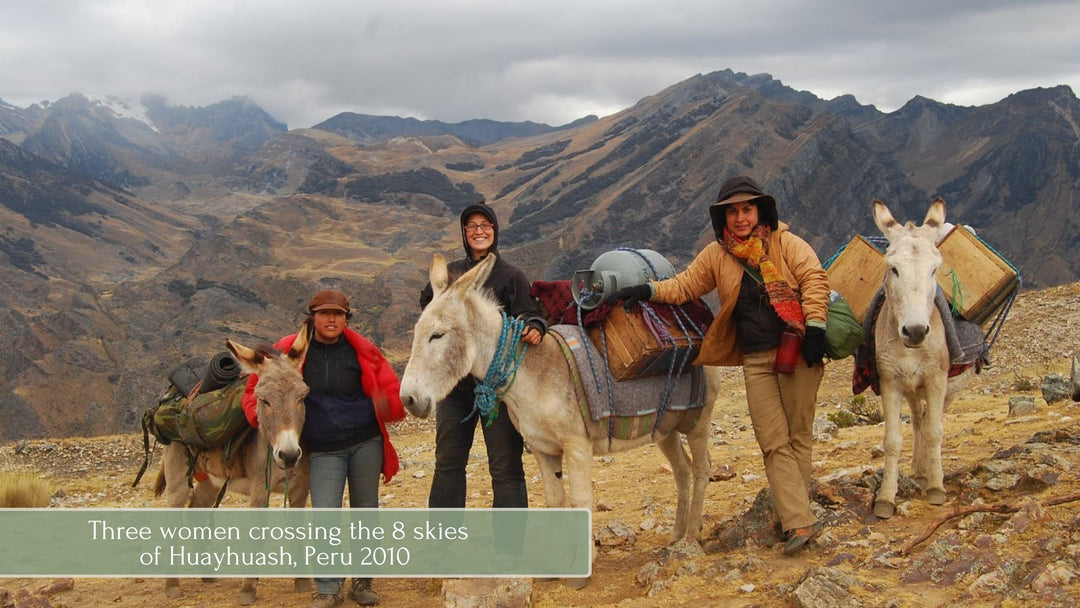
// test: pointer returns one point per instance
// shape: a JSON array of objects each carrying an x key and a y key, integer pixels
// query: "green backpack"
[
  {"x": 198, "y": 420},
  {"x": 843, "y": 332},
  {"x": 204, "y": 420}
]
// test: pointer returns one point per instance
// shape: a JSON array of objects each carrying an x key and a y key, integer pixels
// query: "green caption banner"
[{"x": 296, "y": 542}]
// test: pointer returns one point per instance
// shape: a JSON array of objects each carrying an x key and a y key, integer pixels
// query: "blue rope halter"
[{"x": 502, "y": 369}]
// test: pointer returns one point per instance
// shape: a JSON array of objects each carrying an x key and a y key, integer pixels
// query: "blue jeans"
[{"x": 360, "y": 466}]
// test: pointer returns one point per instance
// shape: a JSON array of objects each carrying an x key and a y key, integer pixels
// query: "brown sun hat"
[{"x": 329, "y": 299}]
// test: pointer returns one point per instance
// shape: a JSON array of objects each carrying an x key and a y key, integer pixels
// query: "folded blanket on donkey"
[{"x": 630, "y": 408}]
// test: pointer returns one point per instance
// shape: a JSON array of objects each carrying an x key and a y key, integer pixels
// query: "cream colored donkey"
[
  {"x": 457, "y": 335},
  {"x": 912, "y": 354}
]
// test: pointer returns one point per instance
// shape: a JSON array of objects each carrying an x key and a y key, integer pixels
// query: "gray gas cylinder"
[{"x": 617, "y": 269}]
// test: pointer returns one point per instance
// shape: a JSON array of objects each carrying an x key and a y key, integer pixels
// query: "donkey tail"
[{"x": 159, "y": 482}]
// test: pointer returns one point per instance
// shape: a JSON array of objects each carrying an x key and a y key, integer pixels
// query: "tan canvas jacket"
[{"x": 715, "y": 268}]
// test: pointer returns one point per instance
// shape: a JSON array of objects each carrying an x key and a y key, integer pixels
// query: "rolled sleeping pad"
[{"x": 221, "y": 371}]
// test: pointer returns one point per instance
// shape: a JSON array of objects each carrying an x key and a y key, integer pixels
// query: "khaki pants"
[{"x": 782, "y": 412}]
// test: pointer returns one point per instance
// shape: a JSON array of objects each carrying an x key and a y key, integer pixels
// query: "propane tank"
[{"x": 616, "y": 269}]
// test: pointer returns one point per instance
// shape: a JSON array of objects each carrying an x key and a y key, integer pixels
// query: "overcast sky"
[{"x": 546, "y": 61}]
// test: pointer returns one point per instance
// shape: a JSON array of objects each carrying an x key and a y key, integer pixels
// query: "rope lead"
[{"x": 502, "y": 370}]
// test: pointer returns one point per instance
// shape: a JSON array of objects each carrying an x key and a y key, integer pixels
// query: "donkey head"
[
  {"x": 280, "y": 393},
  {"x": 911, "y": 261},
  {"x": 447, "y": 339}
]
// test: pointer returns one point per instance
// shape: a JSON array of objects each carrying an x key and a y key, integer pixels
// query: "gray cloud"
[{"x": 547, "y": 62}]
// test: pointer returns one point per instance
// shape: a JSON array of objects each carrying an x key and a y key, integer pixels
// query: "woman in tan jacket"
[{"x": 774, "y": 299}]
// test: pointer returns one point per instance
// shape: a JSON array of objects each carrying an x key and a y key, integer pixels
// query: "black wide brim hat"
[{"x": 740, "y": 189}]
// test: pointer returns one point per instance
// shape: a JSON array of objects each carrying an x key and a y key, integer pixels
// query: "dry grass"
[{"x": 21, "y": 490}]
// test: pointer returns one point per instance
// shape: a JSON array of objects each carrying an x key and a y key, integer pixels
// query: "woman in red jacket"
[{"x": 353, "y": 395}]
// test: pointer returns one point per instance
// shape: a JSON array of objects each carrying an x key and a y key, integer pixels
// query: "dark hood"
[{"x": 490, "y": 214}]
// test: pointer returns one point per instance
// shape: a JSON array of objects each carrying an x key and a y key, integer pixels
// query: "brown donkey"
[{"x": 280, "y": 393}]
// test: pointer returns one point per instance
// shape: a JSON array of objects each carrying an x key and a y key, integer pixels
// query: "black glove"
[
  {"x": 813, "y": 345},
  {"x": 630, "y": 296}
]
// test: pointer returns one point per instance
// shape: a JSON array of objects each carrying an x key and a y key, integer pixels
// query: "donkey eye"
[
  {"x": 436, "y": 337},
  {"x": 895, "y": 272},
  {"x": 264, "y": 403}
]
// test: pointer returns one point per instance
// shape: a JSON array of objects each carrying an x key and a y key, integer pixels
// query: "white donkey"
[
  {"x": 457, "y": 335},
  {"x": 912, "y": 353}
]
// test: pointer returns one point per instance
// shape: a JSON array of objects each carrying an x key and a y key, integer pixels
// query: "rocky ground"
[{"x": 1017, "y": 476}]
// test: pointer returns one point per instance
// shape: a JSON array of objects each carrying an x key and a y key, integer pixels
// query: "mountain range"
[{"x": 136, "y": 235}]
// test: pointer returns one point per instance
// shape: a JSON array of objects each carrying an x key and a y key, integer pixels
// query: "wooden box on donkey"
[
  {"x": 638, "y": 348},
  {"x": 975, "y": 279}
]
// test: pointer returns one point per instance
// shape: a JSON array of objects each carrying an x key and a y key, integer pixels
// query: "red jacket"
[{"x": 379, "y": 382}]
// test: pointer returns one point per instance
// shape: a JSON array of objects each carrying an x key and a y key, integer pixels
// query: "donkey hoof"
[
  {"x": 302, "y": 585},
  {"x": 883, "y": 509},
  {"x": 247, "y": 598},
  {"x": 935, "y": 496},
  {"x": 577, "y": 584},
  {"x": 173, "y": 591}
]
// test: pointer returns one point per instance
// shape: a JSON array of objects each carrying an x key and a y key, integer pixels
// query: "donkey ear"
[
  {"x": 935, "y": 216},
  {"x": 299, "y": 347},
  {"x": 438, "y": 275},
  {"x": 478, "y": 275},
  {"x": 883, "y": 218},
  {"x": 250, "y": 361}
]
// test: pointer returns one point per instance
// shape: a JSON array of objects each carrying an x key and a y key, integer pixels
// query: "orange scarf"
[{"x": 754, "y": 252}]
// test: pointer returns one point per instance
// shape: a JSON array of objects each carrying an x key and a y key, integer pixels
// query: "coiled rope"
[{"x": 509, "y": 353}]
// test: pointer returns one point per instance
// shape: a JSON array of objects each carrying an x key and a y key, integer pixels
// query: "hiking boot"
[
  {"x": 326, "y": 600},
  {"x": 361, "y": 592},
  {"x": 798, "y": 537},
  {"x": 776, "y": 536}
]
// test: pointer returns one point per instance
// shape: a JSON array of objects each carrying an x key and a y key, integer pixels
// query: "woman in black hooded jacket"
[{"x": 455, "y": 420}]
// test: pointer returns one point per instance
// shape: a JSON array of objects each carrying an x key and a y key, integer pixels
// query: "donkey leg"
[
  {"x": 920, "y": 464},
  {"x": 578, "y": 455},
  {"x": 204, "y": 495},
  {"x": 933, "y": 434},
  {"x": 550, "y": 466},
  {"x": 299, "y": 487},
  {"x": 258, "y": 497},
  {"x": 671, "y": 446},
  {"x": 885, "y": 501},
  {"x": 698, "y": 440},
  {"x": 174, "y": 473}
]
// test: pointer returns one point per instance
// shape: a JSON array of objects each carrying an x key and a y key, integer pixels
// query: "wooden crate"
[
  {"x": 633, "y": 351},
  {"x": 857, "y": 274},
  {"x": 988, "y": 313},
  {"x": 975, "y": 273}
]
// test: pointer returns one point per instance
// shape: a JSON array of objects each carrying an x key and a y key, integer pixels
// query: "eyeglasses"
[{"x": 487, "y": 226}]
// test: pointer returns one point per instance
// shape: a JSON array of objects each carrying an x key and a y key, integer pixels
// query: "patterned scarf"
[{"x": 754, "y": 252}]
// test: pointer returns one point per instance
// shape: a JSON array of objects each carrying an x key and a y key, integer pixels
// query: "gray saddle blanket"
[{"x": 629, "y": 398}]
